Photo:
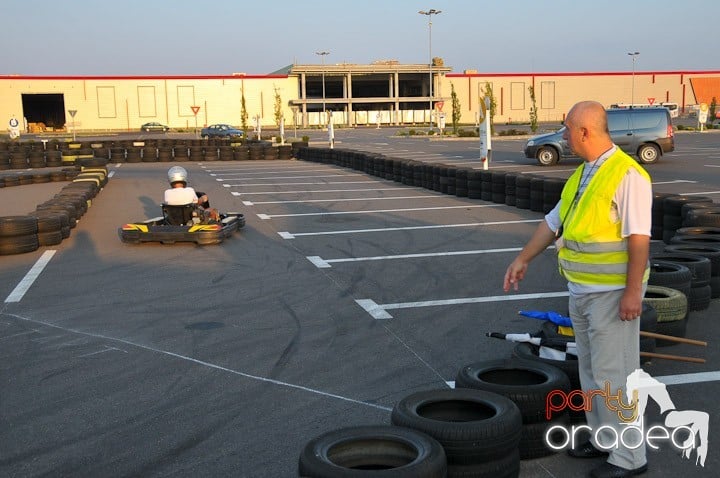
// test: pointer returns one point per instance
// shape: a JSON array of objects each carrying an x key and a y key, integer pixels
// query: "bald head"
[{"x": 587, "y": 130}]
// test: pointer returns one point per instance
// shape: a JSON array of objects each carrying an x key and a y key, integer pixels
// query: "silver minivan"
[{"x": 644, "y": 132}]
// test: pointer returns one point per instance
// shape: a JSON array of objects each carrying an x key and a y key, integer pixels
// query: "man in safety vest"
[{"x": 601, "y": 227}]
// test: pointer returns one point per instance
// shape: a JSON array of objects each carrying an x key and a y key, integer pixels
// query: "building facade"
[{"x": 387, "y": 93}]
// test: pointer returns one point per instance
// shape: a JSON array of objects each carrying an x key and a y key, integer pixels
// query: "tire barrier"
[
  {"x": 480, "y": 431},
  {"x": 698, "y": 296},
  {"x": 527, "y": 384},
  {"x": 712, "y": 253},
  {"x": 53, "y": 219},
  {"x": 672, "y": 215},
  {"x": 367, "y": 451}
]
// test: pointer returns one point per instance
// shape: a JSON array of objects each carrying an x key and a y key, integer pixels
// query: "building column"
[
  {"x": 348, "y": 95},
  {"x": 398, "y": 120},
  {"x": 303, "y": 96}
]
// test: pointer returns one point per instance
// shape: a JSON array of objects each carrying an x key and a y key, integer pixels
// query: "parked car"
[
  {"x": 221, "y": 131},
  {"x": 147, "y": 127},
  {"x": 644, "y": 132}
]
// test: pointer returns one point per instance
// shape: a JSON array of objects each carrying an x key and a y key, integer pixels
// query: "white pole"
[
  {"x": 484, "y": 131},
  {"x": 331, "y": 130}
]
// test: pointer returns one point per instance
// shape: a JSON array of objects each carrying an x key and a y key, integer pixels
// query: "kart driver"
[{"x": 180, "y": 194}]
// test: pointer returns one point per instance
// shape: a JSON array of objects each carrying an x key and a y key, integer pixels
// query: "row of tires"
[
  {"x": 37, "y": 177},
  {"x": 523, "y": 191},
  {"x": 58, "y": 145},
  {"x": 493, "y": 419},
  {"x": 53, "y": 219},
  {"x": 146, "y": 154}
]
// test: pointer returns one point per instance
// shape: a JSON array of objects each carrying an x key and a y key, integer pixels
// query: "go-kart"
[{"x": 182, "y": 224}]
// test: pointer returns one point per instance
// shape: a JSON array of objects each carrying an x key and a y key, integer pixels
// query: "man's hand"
[{"x": 514, "y": 274}]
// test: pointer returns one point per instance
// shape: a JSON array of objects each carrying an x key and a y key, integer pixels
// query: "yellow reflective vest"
[{"x": 593, "y": 251}]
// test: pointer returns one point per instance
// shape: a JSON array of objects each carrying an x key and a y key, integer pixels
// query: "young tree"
[
  {"x": 243, "y": 114},
  {"x": 711, "y": 110},
  {"x": 278, "y": 107},
  {"x": 533, "y": 110},
  {"x": 456, "y": 113},
  {"x": 493, "y": 105}
]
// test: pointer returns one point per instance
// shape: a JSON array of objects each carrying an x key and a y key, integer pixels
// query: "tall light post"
[
  {"x": 429, "y": 14},
  {"x": 323, "y": 54},
  {"x": 632, "y": 91}
]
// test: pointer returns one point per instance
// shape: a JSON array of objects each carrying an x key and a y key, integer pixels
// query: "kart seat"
[{"x": 178, "y": 215}]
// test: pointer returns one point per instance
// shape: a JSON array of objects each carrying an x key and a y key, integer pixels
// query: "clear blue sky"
[{"x": 218, "y": 37}]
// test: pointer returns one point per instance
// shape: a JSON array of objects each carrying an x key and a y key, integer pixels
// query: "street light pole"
[
  {"x": 429, "y": 14},
  {"x": 322, "y": 56},
  {"x": 632, "y": 93}
]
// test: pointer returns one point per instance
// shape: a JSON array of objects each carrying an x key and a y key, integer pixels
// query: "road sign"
[
  {"x": 439, "y": 105},
  {"x": 651, "y": 101},
  {"x": 72, "y": 113},
  {"x": 703, "y": 116},
  {"x": 195, "y": 109}
]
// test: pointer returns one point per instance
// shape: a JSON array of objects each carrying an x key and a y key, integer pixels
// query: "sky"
[{"x": 221, "y": 37}]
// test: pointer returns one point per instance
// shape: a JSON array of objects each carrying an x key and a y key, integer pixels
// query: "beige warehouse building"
[{"x": 386, "y": 92}]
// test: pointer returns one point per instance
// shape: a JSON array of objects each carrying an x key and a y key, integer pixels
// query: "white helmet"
[{"x": 177, "y": 174}]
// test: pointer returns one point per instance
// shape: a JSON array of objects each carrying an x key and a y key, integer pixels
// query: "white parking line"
[
  {"x": 326, "y": 263},
  {"x": 674, "y": 181},
  {"x": 17, "y": 294},
  {"x": 379, "y": 311},
  {"x": 235, "y": 193},
  {"x": 293, "y": 235},
  {"x": 250, "y": 203},
  {"x": 246, "y": 173},
  {"x": 298, "y": 184},
  {"x": 334, "y": 213},
  {"x": 302, "y": 177},
  {"x": 689, "y": 378},
  {"x": 699, "y": 194}
]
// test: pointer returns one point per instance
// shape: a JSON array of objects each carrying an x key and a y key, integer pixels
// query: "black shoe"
[
  {"x": 608, "y": 470},
  {"x": 586, "y": 450}
]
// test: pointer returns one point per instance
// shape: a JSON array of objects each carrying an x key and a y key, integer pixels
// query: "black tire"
[
  {"x": 504, "y": 467},
  {"x": 699, "y": 266},
  {"x": 18, "y": 244},
  {"x": 695, "y": 239},
  {"x": 50, "y": 238},
  {"x": 547, "y": 156},
  {"x": 369, "y": 451},
  {"x": 670, "y": 304},
  {"x": 699, "y": 230},
  {"x": 699, "y": 297},
  {"x": 525, "y": 382},
  {"x": 648, "y": 154},
  {"x": 709, "y": 217},
  {"x": 12, "y": 226},
  {"x": 670, "y": 274},
  {"x": 473, "y": 426},
  {"x": 709, "y": 251},
  {"x": 532, "y": 442}
]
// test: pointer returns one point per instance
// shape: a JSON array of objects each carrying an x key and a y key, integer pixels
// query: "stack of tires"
[
  {"x": 455, "y": 433},
  {"x": 527, "y": 384},
  {"x": 671, "y": 308},
  {"x": 698, "y": 296},
  {"x": 18, "y": 234},
  {"x": 672, "y": 213},
  {"x": 704, "y": 241}
]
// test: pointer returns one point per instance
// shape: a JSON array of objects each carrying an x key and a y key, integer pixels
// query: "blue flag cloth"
[{"x": 553, "y": 317}]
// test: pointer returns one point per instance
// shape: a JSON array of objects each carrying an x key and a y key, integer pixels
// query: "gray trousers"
[{"x": 608, "y": 351}]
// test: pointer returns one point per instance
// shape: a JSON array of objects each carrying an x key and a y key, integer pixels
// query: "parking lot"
[{"x": 343, "y": 294}]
